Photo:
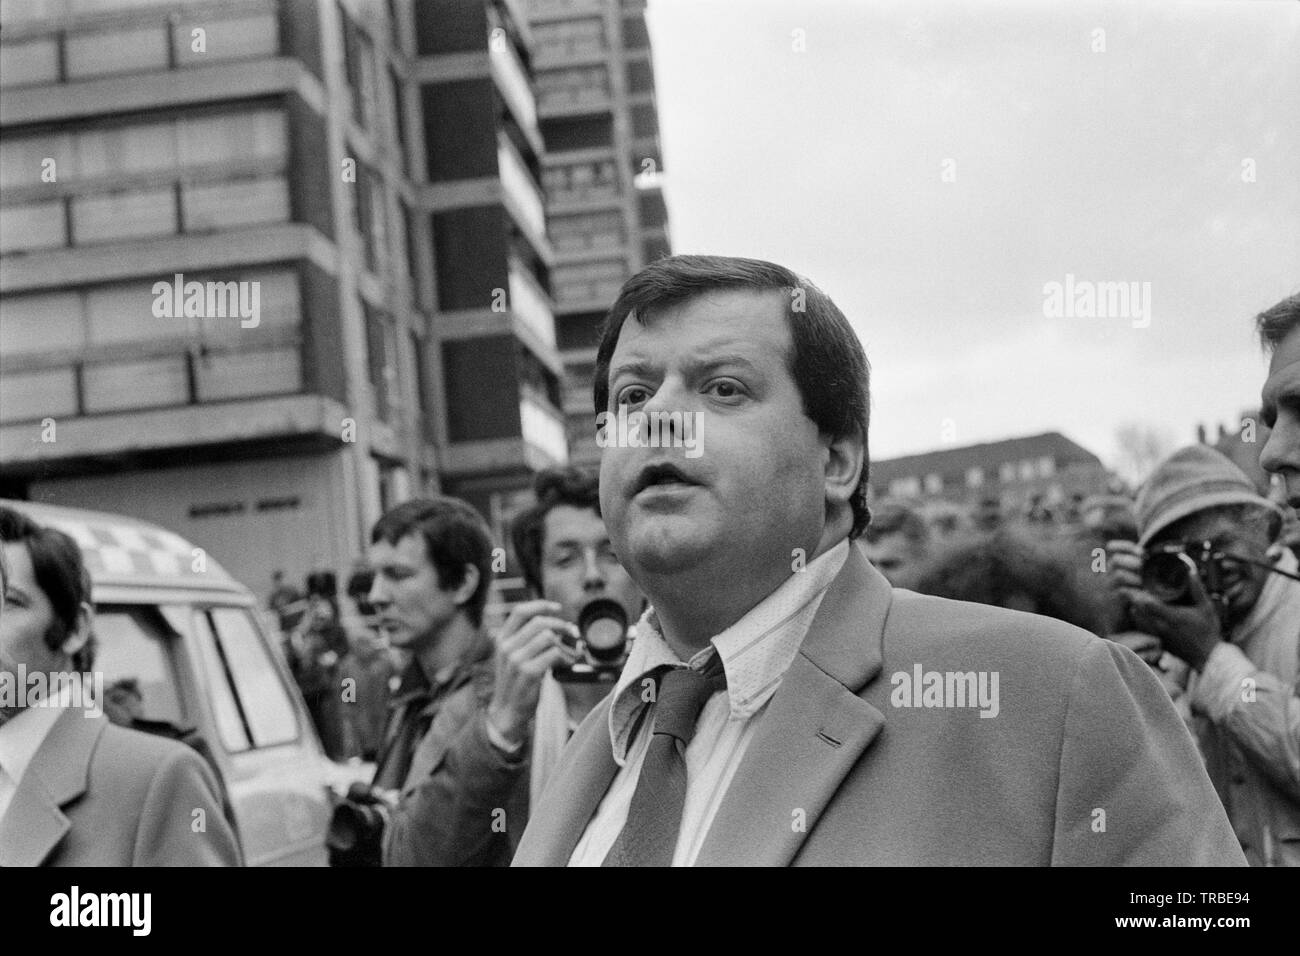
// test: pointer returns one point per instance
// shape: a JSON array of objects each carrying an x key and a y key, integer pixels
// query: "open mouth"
[{"x": 661, "y": 476}]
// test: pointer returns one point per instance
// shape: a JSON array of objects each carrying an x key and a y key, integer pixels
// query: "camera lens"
[
  {"x": 603, "y": 624},
  {"x": 1167, "y": 575}
]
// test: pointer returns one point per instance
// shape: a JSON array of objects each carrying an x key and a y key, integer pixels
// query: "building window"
[
  {"x": 588, "y": 283},
  {"x": 359, "y": 68},
  {"x": 933, "y": 484},
  {"x": 635, "y": 34},
  {"x": 227, "y": 205},
  {"x": 412, "y": 255},
  {"x": 126, "y": 215},
  {"x": 41, "y": 323},
  {"x": 243, "y": 374},
  {"x": 128, "y": 357},
  {"x": 30, "y": 63},
  {"x": 31, "y": 396},
  {"x": 645, "y": 121},
  {"x": 582, "y": 132},
  {"x": 1046, "y": 466},
  {"x": 117, "y": 386},
  {"x": 420, "y": 356},
  {"x": 568, "y": 39},
  {"x": 974, "y": 477},
  {"x": 640, "y": 76},
  {"x": 369, "y": 218},
  {"x": 39, "y": 225},
  {"x": 1027, "y": 470},
  {"x": 399, "y": 116},
  {"x": 116, "y": 51},
  {"x": 581, "y": 182},
  {"x": 231, "y": 38},
  {"x": 381, "y": 360},
  {"x": 1007, "y": 472},
  {"x": 578, "y": 233}
]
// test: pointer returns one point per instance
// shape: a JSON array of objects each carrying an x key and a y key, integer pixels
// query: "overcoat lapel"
[
  {"x": 59, "y": 773},
  {"x": 576, "y": 787},
  {"x": 813, "y": 731}
]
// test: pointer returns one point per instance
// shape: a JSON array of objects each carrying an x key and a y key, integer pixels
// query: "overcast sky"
[{"x": 1126, "y": 163}]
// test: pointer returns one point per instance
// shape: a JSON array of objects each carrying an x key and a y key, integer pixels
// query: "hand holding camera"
[
  {"x": 530, "y": 643},
  {"x": 1166, "y": 598}
]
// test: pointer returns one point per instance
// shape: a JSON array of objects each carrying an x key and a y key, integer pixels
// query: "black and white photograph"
[{"x": 651, "y": 433}]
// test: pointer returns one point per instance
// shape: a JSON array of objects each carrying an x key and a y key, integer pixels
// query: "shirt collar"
[
  {"x": 21, "y": 735},
  {"x": 756, "y": 650}
]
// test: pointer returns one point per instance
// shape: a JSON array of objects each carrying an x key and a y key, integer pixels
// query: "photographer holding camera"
[
  {"x": 556, "y": 657},
  {"x": 1207, "y": 583},
  {"x": 432, "y": 561}
]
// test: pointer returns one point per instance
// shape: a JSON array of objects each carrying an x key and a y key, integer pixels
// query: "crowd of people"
[
  {"x": 341, "y": 664},
  {"x": 739, "y": 658}
]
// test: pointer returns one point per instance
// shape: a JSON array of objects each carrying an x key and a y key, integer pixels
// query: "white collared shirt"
[
  {"x": 20, "y": 737},
  {"x": 756, "y": 652}
]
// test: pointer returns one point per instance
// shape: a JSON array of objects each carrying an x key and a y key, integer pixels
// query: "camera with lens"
[
  {"x": 356, "y": 832},
  {"x": 1167, "y": 571},
  {"x": 601, "y": 644}
]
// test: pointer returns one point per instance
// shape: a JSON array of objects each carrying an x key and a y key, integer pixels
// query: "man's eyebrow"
[
  {"x": 641, "y": 368},
  {"x": 702, "y": 363}
]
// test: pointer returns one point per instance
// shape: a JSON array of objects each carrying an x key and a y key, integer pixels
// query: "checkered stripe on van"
[{"x": 128, "y": 551}]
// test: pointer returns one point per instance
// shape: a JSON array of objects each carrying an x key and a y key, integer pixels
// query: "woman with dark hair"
[{"x": 1010, "y": 568}]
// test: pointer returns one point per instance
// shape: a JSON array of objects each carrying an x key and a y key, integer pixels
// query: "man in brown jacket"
[{"x": 782, "y": 704}]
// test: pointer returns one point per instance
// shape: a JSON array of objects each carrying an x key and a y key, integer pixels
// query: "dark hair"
[
  {"x": 60, "y": 573},
  {"x": 455, "y": 535},
  {"x": 1277, "y": 323},
  {"x": 1007, "y": 565},
  {"x": 576, "y": 487},
  {"x": 827, "y": 362},
  {"x": 894, "y": 517}
]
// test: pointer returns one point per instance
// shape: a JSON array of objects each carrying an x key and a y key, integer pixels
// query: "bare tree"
[{"x": 1141, "y": 448}]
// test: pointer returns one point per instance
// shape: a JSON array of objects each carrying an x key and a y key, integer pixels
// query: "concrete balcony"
[
  {"x": 588, "y": 286},
  {"x": 573, "y": 92},
  {"x": 544, "y": 432},
  {"x": 123, "y": 94},
  {"x": 520, "y": 194},
  {"x": 190, "y": 426},
  {"x": 512, "y": 80},
  {"x": 530, "y": 305}
]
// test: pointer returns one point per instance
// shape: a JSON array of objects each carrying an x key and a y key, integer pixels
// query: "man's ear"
[
  {"x": 467, "y": 587},
  {"x": 80, "y": 634},
  {"x": 845, "y": 459}
]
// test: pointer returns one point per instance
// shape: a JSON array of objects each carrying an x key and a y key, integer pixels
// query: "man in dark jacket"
[
  {"x": 432, "y": 562},
  {"x": 567, "y": 560}
]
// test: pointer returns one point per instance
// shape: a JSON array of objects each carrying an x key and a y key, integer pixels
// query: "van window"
[
  {"x": 132, "y": 654},
  {"x": 263, "y": 701},
  {"x": 225, "y": 709}
]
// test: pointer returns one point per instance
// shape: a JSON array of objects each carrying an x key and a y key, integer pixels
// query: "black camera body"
[
  {"x": 1167, "y": 572},
  {"x": 357, "y": 825},
  {"x": 601, "y": 644}
]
